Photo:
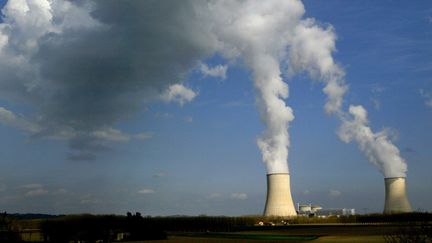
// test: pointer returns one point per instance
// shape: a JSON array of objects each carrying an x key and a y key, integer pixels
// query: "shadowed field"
[
  {"x": 414, "y": 227},
  {"x": 317, "y": 233},
  {"x": 325, "y": 239}
]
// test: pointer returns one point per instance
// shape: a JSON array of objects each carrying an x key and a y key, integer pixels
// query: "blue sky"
[{"x": 201, "y": 157}]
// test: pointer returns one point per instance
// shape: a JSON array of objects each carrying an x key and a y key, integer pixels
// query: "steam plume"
[
  {"x": 376, "y": 146},
  {"x": 77, "y": 66},
  {"x": 258, "y": 32},
  {"x": 311, "y": 51}
]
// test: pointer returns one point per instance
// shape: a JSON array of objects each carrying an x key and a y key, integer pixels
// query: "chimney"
[
  {"x": 279, "y": 201},
  {"x": 396, "y": 199}
]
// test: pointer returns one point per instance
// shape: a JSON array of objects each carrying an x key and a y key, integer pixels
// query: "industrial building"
[
  {"x": 315, "y": 210},
  {"x": 335, "y": 212},
  {"x": 396, "y": 199},
  {"x": 279, "y": 201}
]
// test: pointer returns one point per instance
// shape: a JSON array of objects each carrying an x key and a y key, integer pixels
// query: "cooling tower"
[
  {"x": 279, "y": 201},
  {"x": 396, "y": 200}
]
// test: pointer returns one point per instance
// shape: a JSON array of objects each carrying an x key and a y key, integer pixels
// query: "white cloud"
[
  {"x": 427, "y": 96},
  {"x": 3, "y": 38},
  {"x": 376, "y": 103},
  {"x": 334, "y": 193},
  {"x": 9, "y": 118},
  {"x": 146, "y": 191},
  {"x": 110, "y": 134},
  {"x": 239, "y": 196},
  {"x": 178, "y": 93},
  {"x": 82, "y": 142},
  {"x": 377, "y": 88},
  {"x": 36, "y": 192},
  {"x": 216, "y": 71},
  {"x": 306, "y": 192},
  {"x": 34, "y": 189},
  {"x": 188, "y": 119}
]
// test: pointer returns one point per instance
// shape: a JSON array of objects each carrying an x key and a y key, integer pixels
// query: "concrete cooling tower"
[
  {"x": 396, "y": 199},
  {"x": 279, "y": 201}
]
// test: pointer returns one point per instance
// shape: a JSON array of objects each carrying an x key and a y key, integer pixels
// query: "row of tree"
[
  {"x": 107, "y": 228},
  {"x": 8, "y": 229}
]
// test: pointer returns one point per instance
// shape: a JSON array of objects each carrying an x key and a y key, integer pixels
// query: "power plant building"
[
  {"x": 336, "y": 212},
  {"x": 307, "y": 209},
  {"x": 314, "y": 210},
  {"x": 396, "y": 199},
  {"x": 279, "y": 201}
]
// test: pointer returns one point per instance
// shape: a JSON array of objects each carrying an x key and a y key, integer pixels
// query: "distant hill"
[{"x": 33, "y": 216}]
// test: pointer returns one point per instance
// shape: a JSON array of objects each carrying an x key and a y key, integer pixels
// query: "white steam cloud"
[
  {"x": 83, "y": 66},
  {"x": 258, "y": 32},
  {"x": 311, "y": 51},
  {"x": 376, "y": 146},
  {"x": 269, "y": 34}
]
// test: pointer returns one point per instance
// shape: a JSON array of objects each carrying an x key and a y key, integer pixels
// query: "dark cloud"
[
  {"x": 100, "y": 76},
  {"x": 81, "y": 76}
]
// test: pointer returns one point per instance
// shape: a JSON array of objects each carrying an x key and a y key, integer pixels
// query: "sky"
[{"x": 171, "y": 108}]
